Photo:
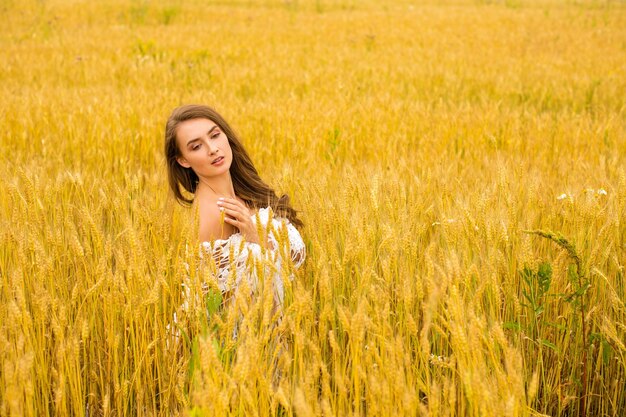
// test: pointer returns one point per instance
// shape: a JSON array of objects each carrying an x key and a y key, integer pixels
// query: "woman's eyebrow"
[{"x": 198, "y": 138}]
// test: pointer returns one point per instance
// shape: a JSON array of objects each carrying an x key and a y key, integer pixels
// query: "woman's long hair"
[{"x": 246, "y": 181}]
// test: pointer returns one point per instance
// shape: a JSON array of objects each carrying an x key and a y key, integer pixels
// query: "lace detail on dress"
[{"x": 235, "y": 258}]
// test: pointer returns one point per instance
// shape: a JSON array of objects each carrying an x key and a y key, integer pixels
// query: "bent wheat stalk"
[{"x": 579, "y": 293}]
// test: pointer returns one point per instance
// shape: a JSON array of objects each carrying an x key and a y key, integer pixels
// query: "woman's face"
[{"x": 203, "y": 147}]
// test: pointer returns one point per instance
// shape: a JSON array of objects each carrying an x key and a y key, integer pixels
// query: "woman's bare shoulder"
[{"x": 210, "y": 226}]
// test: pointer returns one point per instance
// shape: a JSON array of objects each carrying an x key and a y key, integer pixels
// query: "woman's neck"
[{"x": 221, "y": 186}]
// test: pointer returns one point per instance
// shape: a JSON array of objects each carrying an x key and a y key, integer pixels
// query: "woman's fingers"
[
  {"x": 241, "y": 220},
  {"x": 234, "y": 214},
  {"x": 234, "y": 205},
  {"x": 235, "y": 202},
  {"x": 237, "y": 214},
  {"x": 232, "y": 221}
]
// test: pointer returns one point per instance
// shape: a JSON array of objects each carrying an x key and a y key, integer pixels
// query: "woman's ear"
[{"x": 183, "y": 162}]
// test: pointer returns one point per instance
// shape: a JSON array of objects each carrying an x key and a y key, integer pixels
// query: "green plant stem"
[{"x": 571, "y": 250}]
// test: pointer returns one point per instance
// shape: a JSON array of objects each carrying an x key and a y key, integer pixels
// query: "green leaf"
[
  {"x": 512, "y": 325},
  {"x": 544, "y": 274},
  {"x": 213, "y": 302},
  {"x": 216, "y": 346},
  {"x": 572, "y": 274},
  {"x": 578, "y": 293},
  {"x": 545, "y": 271},
  {"x": 556, "y": 325},
  {"x": 194, "y": 360},
  {"x": 549, "y": 344},
  {"x": 607, "y": 352}
]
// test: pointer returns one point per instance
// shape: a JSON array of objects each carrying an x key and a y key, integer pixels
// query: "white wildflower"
[
  {"x": 602, "y": 191},
  {"x": 443, "y": 221},
  {"x": 437, "y": 358}
]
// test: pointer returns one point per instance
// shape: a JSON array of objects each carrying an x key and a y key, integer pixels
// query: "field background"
[{"x": 419, "y": 140}]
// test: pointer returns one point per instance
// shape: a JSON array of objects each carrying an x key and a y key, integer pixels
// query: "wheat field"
[{"x": 459, "y": 167}]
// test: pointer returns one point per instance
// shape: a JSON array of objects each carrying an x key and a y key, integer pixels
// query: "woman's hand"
[{"x": 239, "y": 216}]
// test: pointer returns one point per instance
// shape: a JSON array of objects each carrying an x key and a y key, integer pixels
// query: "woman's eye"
[
  {"x": 215, "y": 135},
  {"x": 194, "y": 148}
]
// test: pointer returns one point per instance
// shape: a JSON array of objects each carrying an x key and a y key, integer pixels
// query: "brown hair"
[{"x": 246, "y": 181}]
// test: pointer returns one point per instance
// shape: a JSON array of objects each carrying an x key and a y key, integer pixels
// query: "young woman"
[{"x": 206, "y": 158}]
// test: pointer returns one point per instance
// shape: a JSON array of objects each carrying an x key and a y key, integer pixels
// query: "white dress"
[{"x": 236, "y": 260}]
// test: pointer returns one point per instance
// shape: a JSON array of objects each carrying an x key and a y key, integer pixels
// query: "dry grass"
[{"x": 419, "y": 141}]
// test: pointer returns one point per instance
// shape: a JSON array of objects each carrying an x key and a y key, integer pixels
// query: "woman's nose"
[{"x": 211, "y": 147}]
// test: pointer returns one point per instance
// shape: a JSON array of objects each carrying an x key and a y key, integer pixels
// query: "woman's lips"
[{"x": 218, "y": 161}]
